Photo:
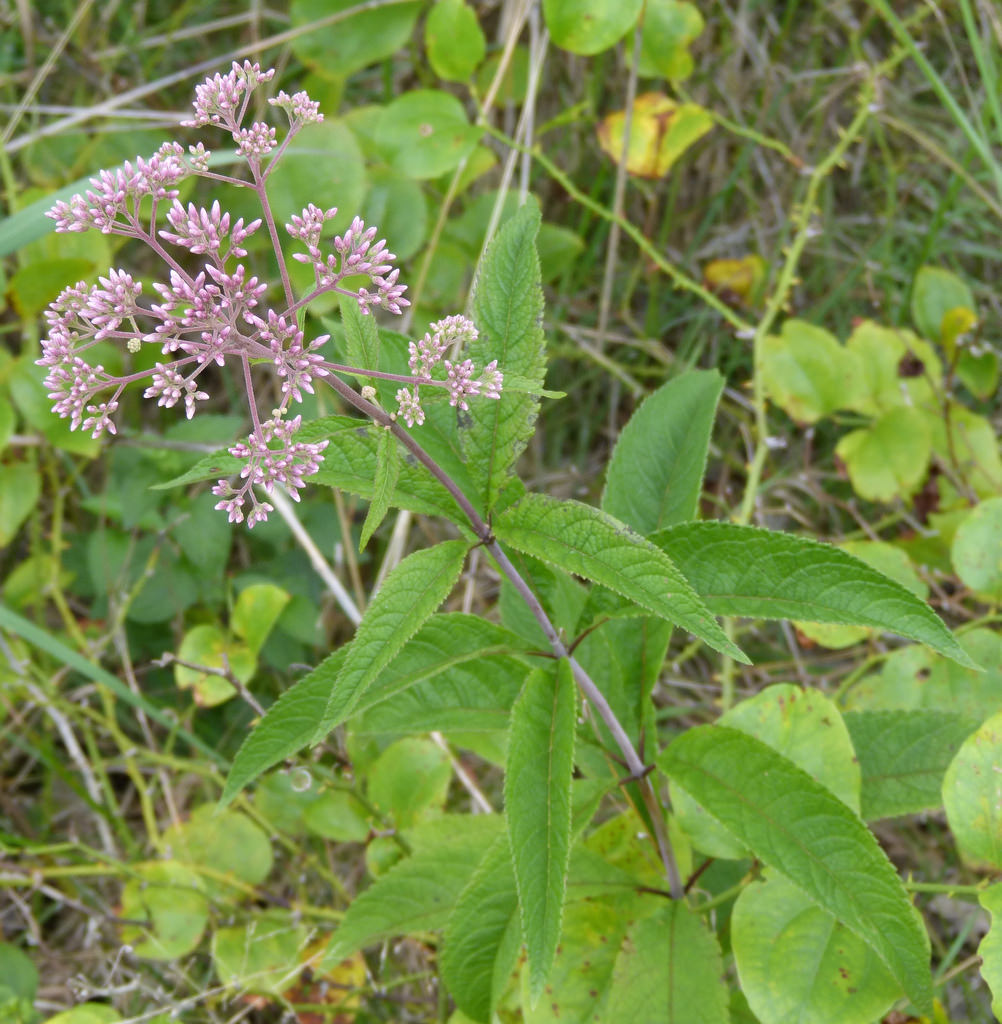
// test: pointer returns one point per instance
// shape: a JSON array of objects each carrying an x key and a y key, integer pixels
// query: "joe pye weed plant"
[{"x": 590, "y": 870}]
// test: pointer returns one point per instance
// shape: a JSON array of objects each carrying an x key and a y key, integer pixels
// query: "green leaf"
[
  {"x": 409, "y": 778},
  {"x": 350, "y": 44},
  {"x": 669, "y": 969},
  {"x": 792, "y": 823},
  {"x": 409, "y": 596},
  {"x": 483, "y": 935},
  {"x": 967, "y": 442},
  {"x": 262, "y": 956},
  {"x": 798, "y": 964},
  {"x": 352, "y": 459},
  {"x": 889, "y": 458},
  {"x": 339, "y": 815},
  {"x": 86, "y": 1013},
  {"x": 20, "y": 487},
  {"x": 383, "y": 486},
  {"x": 807, "y": 372},
  {"x": 656, "y": 470},
  {"x": 914, "y": 677},
  {"x": 38, "y": 283},
  {"x": 18, "y": 977},
  {"x": 256, "y": 611},
  {"x": 990, "y": 949},
  {"x": 450, "y": 650},
  {"x": 288, "y": 726},
  {"x": 743, "y": 570},
  {"x": 507, "y": 309},
  {"x": 228, "y": 843},
  {"x": 418, "y": 893},
  {"x": 883, "y": 354},
  {"x": 586, "y": 541},
  {"x": 168, "y": 896},
  {"x": 804, "y": 726},
  {"x": 972, "y": 795},
  {"x": 455, "y": 662},
  {"x": 935, "y": 294},
  {"x": 589, "y": 26},
  {"x": 208, "y": 647},
  {"x": 426, "y": 133},
  {"x": 976, "y": 552},
  {"x": 454, "y": 40},
  {"x": 903, "y": 756},
  {"x": 538, "y": 809},
  {"x": 979, "y": 370},
  {"x": 669, "y": 27},
  {"x": 398, "y": 205},
  {"x": 361, "y": 337}
]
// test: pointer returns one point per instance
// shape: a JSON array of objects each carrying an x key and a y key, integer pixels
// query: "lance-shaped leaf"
[
  {"x": 361, "y": 337},
  {"x": 446, "y": 645},
  {"x": 584, "y": 540},
  {"x": 482, "y": 938},
  {"x": 383, "y": 486},
  {"x": 743, "y": 570},
  {"x": 668, "y": 969},
  {"x": 538, "y": 809},
  {"x": 656, "y": 470},
  {"x": 408, "y": 597},
  {"x": 416, "y": 894},
  {"x": 288, "y": 726},
  {"x": 507, "y": 309},
  {"x": 796, "y": 825}
]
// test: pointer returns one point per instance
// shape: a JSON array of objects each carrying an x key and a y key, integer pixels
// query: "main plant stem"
[{"x": 592, "y": 693}]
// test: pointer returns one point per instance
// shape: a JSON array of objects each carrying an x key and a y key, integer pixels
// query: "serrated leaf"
[
  {"x": 803, "y": 725},
  {"x": 656, "y": 470},
  {"x": 409, "y": 596},
  {"x": 796, "y": 825},
  {"x": 538, "y": 809},
  {"x": 761, "y": 574},
  {"x": 507, "y": 309},
  {"x": 583, "y": 540},
  {"x": 990, "y": 949},
  {"x": 669, "y": 969},
  {"x": 418, "y": 893},
  {"x": 840, "y": 982},
  {"x": 288, "y": 726},
  {"x": 972, "y": 795},
  {"x": 361, "y": 337},
  {"x": 903, "y": 756},
  {"x": 483, "y": 935},
  {"x": 383, "y": 486}
]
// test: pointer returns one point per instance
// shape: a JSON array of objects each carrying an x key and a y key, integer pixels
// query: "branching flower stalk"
[{"x": 218, "y": 313}]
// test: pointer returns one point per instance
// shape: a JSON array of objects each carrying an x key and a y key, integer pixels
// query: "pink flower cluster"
[
  {"x": 212, "y": 310},
  {"x": 452, "y": 333}
]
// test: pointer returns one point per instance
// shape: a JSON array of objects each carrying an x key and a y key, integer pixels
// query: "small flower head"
[
  {"x": 300, "y": 108},
  {"x": 222, "y": 99}
]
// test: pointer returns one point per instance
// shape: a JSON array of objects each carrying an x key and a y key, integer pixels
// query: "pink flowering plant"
[
  {"x": 214, "y": 311},
  {"x": 568, "y": 678}
]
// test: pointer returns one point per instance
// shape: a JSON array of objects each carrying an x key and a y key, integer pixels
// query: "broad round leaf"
[
  {"x": 262, "y": 956},
  {"x": 889, "y": 458},
  {"x": 454, "y": 40},
  {"x": 589, "y": 26},
  {"x": 669, "y": 27},
  {"x": 409, "y": 778},
  {"x": 354, "y": 42},
  {"x": 227, "y": 842},
  {"x": 972, "y": 796},
  {"x": 170, "y": 896},
  {"x": 798, "y": 965},
  {"x": 426, "y": 133},
  {"x": 977, "y": 549},
  {"x": 661, "y": 130},
  {"x": 807, "y": 372}
]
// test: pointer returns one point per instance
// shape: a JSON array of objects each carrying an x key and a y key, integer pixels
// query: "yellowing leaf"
[
  {"x": 660, "y": 132},
  {"x": 736, "y": 281}
]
